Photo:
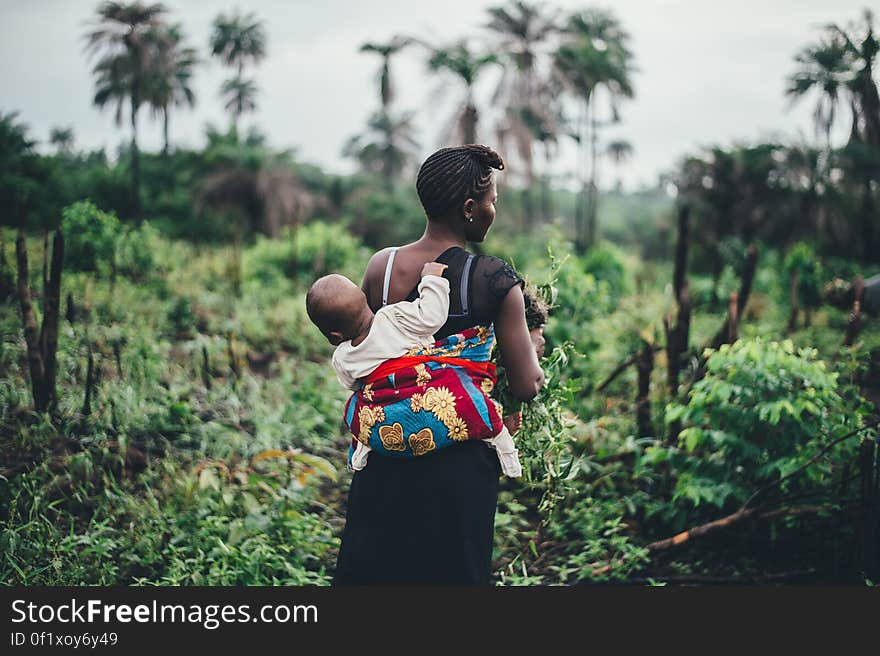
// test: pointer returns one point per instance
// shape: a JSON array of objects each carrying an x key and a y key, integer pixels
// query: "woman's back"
[{"x": 477, "y": 284}]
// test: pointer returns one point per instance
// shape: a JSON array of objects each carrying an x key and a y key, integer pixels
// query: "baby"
[{"x": 365, "y": 340}]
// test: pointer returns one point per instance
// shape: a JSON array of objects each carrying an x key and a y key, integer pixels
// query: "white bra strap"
[
  {"x": 387, "y": 282},
  {"x": 464, "y": 284}
]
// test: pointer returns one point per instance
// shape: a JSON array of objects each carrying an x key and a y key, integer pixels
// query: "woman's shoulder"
[{"x": 498, "y": 274}]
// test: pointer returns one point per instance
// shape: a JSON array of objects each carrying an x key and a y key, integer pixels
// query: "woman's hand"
[
  {"x": 513, "y": 422},
  {"x": 537, "y": 335}
]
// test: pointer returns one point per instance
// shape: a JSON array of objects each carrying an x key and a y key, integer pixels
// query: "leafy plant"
[{"x": 762, "y": 411}]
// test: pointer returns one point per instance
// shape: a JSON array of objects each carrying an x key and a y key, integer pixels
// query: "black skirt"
[{"x": 421, "y": 521}]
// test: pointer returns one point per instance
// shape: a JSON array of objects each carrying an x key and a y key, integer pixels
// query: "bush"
[
  {"x": 135, "y": 251},
  {"x": 801, "y": 260},
  {"x": 91, "y": 237},
  {"x": 762, "y": 411},
  {"x": 605, "y": 262}
]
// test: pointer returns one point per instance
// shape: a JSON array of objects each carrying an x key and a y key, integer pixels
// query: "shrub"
[
  {"x": 604, "y": 262},
  {"x": 91, "y": 237},
  {"x": 762, "y": 410}
]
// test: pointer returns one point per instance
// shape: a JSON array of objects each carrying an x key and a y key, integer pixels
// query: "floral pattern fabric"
[{"x": 429, "y": 399}]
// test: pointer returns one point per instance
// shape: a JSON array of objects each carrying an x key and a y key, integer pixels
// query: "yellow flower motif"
[
  {"x": 457, "y": 428},
  {"x": 415, "y": 402},
  {"x": 422, "y": 442},
  {"x": 368, "y": 392},
  {"x": 442, "y": 403},
  {"x": 369, "y": 417},
  {"x": 392, "y": 437},
  {"x": 487, "y": 386},
  {"x": 422, "y": 375}
]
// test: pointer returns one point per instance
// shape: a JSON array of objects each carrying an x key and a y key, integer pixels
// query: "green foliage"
[
  {"x": 604, "y": 262},
  {"x": 762, "y": 410},
  {"x": 802, "y": 260},
  {"x": 385, "y": 218},
  {"x": 321, "y": 248},
  {"x": 598, "y": 542},
  {"x": 91, "y": 238}
]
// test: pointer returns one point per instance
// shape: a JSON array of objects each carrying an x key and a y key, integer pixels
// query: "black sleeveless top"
[
  {"x": 488, "y": 280},
  {"x": 429, "y": 520}
]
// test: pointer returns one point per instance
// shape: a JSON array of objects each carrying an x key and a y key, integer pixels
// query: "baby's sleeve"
[
  {"x": 342, "y": 372},
  {"x": 426, "y": 315}
]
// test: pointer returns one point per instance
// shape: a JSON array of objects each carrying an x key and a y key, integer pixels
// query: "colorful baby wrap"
[{"x": 429, "y": 398}]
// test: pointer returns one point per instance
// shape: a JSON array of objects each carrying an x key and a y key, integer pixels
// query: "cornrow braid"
[{"x": 452, "y": 175}]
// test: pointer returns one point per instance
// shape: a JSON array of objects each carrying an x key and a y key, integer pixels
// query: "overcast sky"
[{"x": 708, "y": 72}]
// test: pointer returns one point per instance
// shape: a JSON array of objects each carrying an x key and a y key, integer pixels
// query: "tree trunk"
[
  {"x": 868, "y": 219},
  {"x": 90, "y": 381},
  {"x": 29, "y": 322},
  {"x": 593, "y": 211},
  {"x": 792, "y": 317},
  {"x": 732, "y": 318},
  {"x": 580, "y": 209},
  {"x": 469, "y": 123},
  {"x": 135, "y": 162},
  {"x": 165, "y": 130},
  {"x": 855, "y": 316},
  {"x": 681, "y": 250},
  {"x": 644, "y": 365},
  {"x": 722, "y": 336},
  {"x": 42, "y": 343}
]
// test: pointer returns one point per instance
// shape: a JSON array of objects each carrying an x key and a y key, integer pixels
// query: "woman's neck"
[{"x": 440, "y": 233}]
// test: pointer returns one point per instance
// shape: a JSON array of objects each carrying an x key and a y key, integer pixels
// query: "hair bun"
[{"x": 486, "y": 156}]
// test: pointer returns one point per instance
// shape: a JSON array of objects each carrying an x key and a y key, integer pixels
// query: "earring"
[{"x": 470, "y": 219}]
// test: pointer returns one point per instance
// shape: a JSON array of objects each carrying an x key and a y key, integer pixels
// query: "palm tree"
[
  {"x": 240, "y": 97},
  {"x": 521, "y": 29},
  {"x": 861, "y": 52},
  {"x": 844, "y": 59},
  {"x": 237, "y": 40},
  {"x": 822, "y": 67},
  {"x": 386, "y": 51},
  {"x": 594, "y": 55},
  {"x": 171, "y": 78},
  {"x": 619, "y": 151},
  {"x": 62, "y": 139},
  {"x": 386, "y": 147},
  {"x": 466, "y": 66},
  {"x": 122, "y": 72},
  {"x": 388, "y": 144}
]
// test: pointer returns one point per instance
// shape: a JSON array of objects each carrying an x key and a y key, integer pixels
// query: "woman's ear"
[{"x": 468, "y": 209}]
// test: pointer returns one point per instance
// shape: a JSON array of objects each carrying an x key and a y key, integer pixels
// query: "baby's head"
[{"x": 338, "y": 308}]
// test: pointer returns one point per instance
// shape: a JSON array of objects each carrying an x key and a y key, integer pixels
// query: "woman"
[{"x": 430, "y": 520}]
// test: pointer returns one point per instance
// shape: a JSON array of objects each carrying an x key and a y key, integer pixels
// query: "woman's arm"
[{"x": 518, "y": 356}]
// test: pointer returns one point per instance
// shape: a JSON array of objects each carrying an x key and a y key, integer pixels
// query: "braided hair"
[{"x": 452, "y": 175}]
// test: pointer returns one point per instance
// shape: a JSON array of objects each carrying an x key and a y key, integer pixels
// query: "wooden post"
[
  {"x": 644, "y": 365},
  {"x": 792, "y": 317},
  {"x": 206, "y": 368},
  {"x": 36, "y": 367},
  {"x": 117, "y": 355},
  {"x": 90, "y": 381},
  {"x": 681, "y": 251},
  {"x": 855, "y": 316},
  {"x": 732, "y": 318},
  {"x": 230, "y": 351},
  {"x": 723, "y": 334},
  {"x": 677, "y": 339}
]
